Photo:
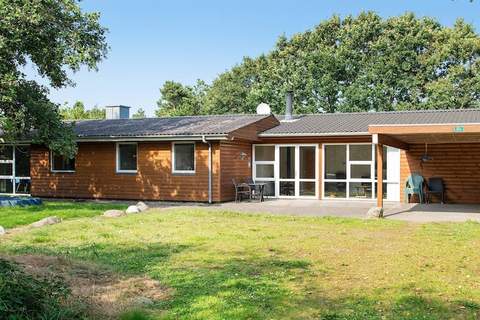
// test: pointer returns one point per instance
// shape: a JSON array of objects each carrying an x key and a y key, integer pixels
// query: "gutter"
[
  {"x": 152, "y": 138},
  {"x": 204, "y": 140}
]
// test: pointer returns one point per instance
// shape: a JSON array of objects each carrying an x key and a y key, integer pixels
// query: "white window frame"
[
  {"x": 187, "y": 172},
  {"x": 268, "y": 162},
  {"x": 117, "y": 157},
  {"x": 59, "y": 171},
  {"x": 348, "y": 179},
  {"x": 14, "y": 177},
  {"x": 276, "y": 164}
]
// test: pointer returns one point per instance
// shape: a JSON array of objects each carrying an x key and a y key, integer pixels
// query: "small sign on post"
[{"x": 459, "y": 129}]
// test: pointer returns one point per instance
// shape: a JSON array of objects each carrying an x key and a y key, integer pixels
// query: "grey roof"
[
  {"x": 354, "y": 123},
  {"x": 167, "y": 126}
]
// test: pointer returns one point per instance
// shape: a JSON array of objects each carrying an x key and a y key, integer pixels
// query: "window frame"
[
  {"x": 185, "y": 172},
  {"x": 276, "y": 162},
  {"x": 61, "y": 171},
  {"x": 117, "y": 157},
  {"x": 14, "y": 178},
  {"x": 348, "y": 179}
]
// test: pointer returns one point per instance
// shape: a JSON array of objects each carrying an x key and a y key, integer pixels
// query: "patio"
[{"x": 412, "y": 212}]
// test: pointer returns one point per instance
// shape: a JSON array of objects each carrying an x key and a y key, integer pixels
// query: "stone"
[
  {"x": 142, "y": 206},
  {"x": 375, "y": 212},
  {"x": 113, "y": 213},
  {"x": 46, "y": 222},
  {"x": 132, "y": 209},
  {"x": 2, "y": 231},
  {"x": 143, "y": 301}
]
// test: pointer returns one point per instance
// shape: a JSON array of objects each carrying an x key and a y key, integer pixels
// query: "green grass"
[
  {"x": 17, "y": 216},
  {"x": 222, "y": 265}
]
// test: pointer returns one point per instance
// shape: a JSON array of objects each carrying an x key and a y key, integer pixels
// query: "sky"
[{"x": 152, "y": 41}]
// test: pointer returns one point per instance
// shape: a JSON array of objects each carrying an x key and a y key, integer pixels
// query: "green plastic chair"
[{"x": 414, "y": 185}]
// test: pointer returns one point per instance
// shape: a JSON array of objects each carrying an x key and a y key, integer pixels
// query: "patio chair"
[
  {"x": 435, "y": 186},
  {"x": 414, "y": 185},
  {"x": 256, "y": 189},
  {"x": 241, "y": 189}
]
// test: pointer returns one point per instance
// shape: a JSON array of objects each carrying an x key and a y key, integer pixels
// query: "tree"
[
  {"x": 140, "y": 114},
  {"x": 78, "y": 112},
  {"x": 362, "y": 63},
  {"x": 179, "y": 100},
  {"x": 54, "y": 36}
]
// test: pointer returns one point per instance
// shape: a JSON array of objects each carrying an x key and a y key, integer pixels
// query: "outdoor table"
[{"x": 257, "y": 186}]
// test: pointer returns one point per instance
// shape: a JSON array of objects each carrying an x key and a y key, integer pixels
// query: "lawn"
[
  {"x": 223, "y": 265},
  {"x": 17, "y": 216}
]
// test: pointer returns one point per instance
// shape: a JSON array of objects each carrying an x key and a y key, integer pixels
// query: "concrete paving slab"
[{"x": 420, "y": 213}]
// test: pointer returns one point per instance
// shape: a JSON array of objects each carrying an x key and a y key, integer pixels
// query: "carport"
[{"x": 450, "y": 151}]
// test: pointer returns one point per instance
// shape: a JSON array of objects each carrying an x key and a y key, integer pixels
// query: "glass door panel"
[
  {"x": 335, "y": 162},
  {"x": 307, "y": 169},
  {"x": 287, "y": 171},
  {"x": 307, "y": 163},
  {"x": 287, "y": 162}
]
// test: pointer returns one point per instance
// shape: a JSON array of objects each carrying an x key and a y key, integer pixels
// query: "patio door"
[
  {"x": 286, "y": 170},
  {"x": 14, "y": 169},
  {"x": 297, "y": 171}
]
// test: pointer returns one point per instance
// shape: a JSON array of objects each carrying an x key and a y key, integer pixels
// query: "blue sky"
[{"x": 157, "y": 40}]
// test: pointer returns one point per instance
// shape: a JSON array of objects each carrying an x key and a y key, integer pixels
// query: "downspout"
[{"x": 209, "y": 168}]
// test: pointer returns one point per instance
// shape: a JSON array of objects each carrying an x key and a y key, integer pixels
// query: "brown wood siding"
[
  {"x": 234, "y": 166},
  {"x": 95, "y": 175},
  {"x": 457, "y": 164}
]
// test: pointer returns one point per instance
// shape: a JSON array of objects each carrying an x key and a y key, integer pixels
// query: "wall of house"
[
  {"x": 457, "y": 164},
  {"x": 95, "y": 175},
  {"x": 235, "y": 163}
]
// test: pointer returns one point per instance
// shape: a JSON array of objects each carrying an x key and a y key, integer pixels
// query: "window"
[
  {"x": 264, "y": 167},
  {"x": 127, "y": 157},
  {"x": 183, "y": 157},
  {"x": 60, "y": 163}
]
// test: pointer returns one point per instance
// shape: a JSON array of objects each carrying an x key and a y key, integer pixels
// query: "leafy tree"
[
  {"x": 54, "y": 36},
  {"x": 140, "y": 114},
  {"x": 362, "y": 63},
  {"x": 178, "y": 100},
  {"x": 78, "y": 112}
]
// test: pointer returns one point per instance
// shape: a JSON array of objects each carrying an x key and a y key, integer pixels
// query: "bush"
[{"x": 27, "y": 297}]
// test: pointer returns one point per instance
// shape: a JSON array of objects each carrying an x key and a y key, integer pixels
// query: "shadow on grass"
[{"x": 256, "y": 287}]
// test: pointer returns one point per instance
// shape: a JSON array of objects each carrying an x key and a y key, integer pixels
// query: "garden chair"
[
  {"x": 435, "y": 186},
  {"x": 241, "y": 189},
  {"x": 414, "y": 185}
]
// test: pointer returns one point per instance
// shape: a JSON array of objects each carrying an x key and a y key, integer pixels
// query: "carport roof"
[{"x": 358, "y": 123}]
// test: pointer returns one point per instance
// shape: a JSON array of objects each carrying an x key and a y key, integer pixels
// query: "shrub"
[{"x": 27, "y": 297}]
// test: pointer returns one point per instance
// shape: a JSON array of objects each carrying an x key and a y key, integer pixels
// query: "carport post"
[{"x": 379, "y": 148}]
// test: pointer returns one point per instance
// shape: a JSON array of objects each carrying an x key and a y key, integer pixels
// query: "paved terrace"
[{"x": 355, "y": 209}]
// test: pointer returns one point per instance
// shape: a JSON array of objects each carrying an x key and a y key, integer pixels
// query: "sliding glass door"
[{"x": 288, "y": 170}]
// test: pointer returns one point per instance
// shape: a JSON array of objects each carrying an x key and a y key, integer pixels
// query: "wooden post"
[{"x": 379, "y": 175}]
